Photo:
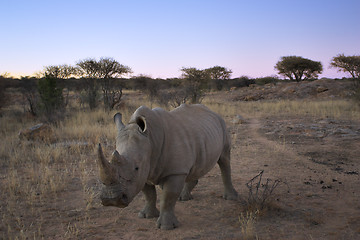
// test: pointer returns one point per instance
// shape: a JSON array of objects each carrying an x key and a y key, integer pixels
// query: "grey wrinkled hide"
[{"x": 171, "y": 149}]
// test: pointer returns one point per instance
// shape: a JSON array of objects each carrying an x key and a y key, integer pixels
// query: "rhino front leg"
[
  {"x": 172, "y": 187},
  {"x": 150, "y": 210},
  {"x": 224, "y": 164},
  {"x": 186, "y": 192}
]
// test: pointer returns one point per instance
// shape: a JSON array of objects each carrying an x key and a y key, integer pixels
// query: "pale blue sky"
[{"x": 157, "y": 38}]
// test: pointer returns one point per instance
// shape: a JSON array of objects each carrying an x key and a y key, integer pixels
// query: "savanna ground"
[{"x": 50, "y": 190}]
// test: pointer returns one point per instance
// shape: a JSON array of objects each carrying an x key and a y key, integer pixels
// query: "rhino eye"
[{"x": 136, "y": 168}]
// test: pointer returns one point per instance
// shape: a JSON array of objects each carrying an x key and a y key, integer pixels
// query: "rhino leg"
[
  {"x": 224, "y": 164},
  {"x": 150, "y": 210},
  {"x": 171, "y": 191},
  {"x": 186, "y": 192}
]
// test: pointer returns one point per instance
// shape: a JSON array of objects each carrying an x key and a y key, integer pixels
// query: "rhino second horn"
[
  {"x": 118, "y": 121},
  {"x": 117, "y": 158},
  {"x": 106, "y": 170}
]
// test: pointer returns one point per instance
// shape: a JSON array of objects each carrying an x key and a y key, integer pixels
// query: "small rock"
[
  {"x": 238, "y": 120},
  {"x": 42, "y": 132},
  {"x": 233, "y": 89},
  {"x": 321, "y": 89}
]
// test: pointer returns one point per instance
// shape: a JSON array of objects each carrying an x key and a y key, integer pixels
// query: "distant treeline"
[{"x": 141, "y": 83}]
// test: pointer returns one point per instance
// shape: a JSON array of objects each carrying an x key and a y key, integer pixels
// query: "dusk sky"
[{"x": 157, "y": 38}]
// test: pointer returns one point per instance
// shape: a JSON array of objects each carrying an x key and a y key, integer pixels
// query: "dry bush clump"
[
  {"x": 259, "y": 201},
  {"x": 260, "y": 192}
]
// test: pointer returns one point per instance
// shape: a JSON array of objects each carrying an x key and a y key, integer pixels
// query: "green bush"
[
  {"x": 266, "y": 80},
  {"x": 51, "y": 98}
]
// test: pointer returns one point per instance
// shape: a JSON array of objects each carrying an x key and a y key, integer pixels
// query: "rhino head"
[{"x": 126, "y": 174}]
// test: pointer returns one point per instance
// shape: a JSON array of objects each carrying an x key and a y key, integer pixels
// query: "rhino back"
[{"x": 193, "y": 141}]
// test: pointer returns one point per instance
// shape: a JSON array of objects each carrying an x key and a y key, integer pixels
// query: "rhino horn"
[
  {"x": 106, "y": 170},
  {"x": 117, "y": 158},
  {"x": 118, "y": 121}
]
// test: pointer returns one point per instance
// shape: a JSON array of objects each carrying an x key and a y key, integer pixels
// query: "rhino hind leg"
[
  {"x": 171, "y": 191},
  {"x": 185, "y": 194},
  {"x": 224, "y": 164},
  {"x": 150, "y": 210}
]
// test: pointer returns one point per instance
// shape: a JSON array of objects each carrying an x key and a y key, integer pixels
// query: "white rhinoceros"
[{"x": 171, "y": 149}]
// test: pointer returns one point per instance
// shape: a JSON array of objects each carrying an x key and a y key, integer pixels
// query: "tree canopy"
[
  {"x": 298, "y": 68},
  {"x": 104, "y": 68},
  {"x": 350, "y": 64},
  {"x": 218, "y": 72},
  {"x": 60, "y": 71},
  {"x": 195, "y": 83}
]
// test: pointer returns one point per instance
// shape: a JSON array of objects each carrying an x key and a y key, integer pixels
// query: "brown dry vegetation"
[{"x": 49, "y": 190}]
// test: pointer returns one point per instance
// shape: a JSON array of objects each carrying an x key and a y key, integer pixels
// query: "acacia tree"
[
  {"x": 110, "y": 70},
  {"x": 60, "y": 71},
  {"x": 218, "y": 74},
  {"x": 298, "y": 68},
  {"x": 88, "y": 69},
  {"x": 195, "y": 83},
  {"x": 350, "y": 64},
  {"x": 107, "y": 70}
]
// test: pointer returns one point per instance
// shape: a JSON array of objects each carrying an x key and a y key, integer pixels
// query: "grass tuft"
[{"x": 247, "y": 222}]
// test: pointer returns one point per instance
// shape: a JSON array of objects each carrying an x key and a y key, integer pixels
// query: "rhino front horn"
[{"x": 106, "y": 170}]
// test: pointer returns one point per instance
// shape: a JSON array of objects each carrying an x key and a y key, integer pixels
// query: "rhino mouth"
[{"x": 114, "y": 196}]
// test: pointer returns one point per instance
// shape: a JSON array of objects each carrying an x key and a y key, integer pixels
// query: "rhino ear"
[
  {"x": 141, "y": 122},
  {"x": 118, "y": 121}
]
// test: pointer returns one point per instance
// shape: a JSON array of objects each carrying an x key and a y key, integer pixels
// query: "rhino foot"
[
  {"x": 167, "y": 221},
  {"x": 185, "y": 196},
  {"x": 231, "y": 195},
  {"x": 148, "y": 213}
]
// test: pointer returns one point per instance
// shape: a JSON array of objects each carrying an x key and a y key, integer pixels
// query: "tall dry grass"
[
  {"x": 338, "y": 109},
  {"x": 35, "y": 174}
]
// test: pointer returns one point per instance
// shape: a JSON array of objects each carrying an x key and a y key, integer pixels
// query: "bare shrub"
[
  {"x": 28, "y": 89},
  {"x": 259, "y": 200},
  {"x": 112, "y": 93},
  {"x": 172, "y": 97},
  {"x": 260, "y": 192}
]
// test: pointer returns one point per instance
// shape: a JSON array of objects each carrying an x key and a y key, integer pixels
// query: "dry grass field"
[{"x": 311, "y": 148}]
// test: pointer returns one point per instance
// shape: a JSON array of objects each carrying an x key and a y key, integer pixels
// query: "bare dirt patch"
[{"x": 324, "y": 177}]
